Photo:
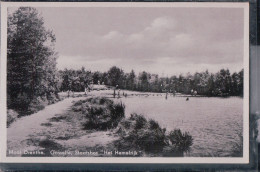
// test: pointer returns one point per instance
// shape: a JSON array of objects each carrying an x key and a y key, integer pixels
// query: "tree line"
[
  {"x": 34, "y": 81},
  {"x": 222, "y": 83}
]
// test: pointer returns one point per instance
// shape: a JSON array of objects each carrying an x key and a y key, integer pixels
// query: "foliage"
[
  {"x": 31, "y": 61},
  {"x": 101, "y": 113},
  {"x": 180, "y": 141},
  {"x": 139, "y": 133},
  {"x": 11, "y": 116},
  {"x": 115, "y": 76},
  {"x": 222, "y": 83}
]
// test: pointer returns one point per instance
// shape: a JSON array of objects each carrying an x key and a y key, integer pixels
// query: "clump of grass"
[
  {"x": 138, "y": 133},
  {"x": 47, "y": 124},
  {"x": 80, "y": 102},
  {"x": 57, "y": 118},
  {"x": 49, "y": 145},
  {"x": 178, "y": 142},
  {"x": 100, "y": 113}
]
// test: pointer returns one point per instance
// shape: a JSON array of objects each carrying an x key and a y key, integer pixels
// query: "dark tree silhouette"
[{"x": 31, "y": 61}]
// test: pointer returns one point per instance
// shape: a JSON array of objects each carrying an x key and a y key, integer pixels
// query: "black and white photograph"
[{"x": 125, "y": 81}]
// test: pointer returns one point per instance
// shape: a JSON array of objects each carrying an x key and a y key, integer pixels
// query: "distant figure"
[
  {"x": 68, "y": 93},
  {"x": 166, "y": 95},
  {"x": 187, "y": 99},
  {"x": 86, "y": 91},
  {"x": 118, "y": 93},
  {"x": 195, "y": 93},
  {"x": 114, "y": 93},
  {"x": 174, "y": 92},
  {"x": 191, "y": 92}
]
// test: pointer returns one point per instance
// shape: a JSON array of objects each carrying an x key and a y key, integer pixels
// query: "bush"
[
  {"x": 20, "y": 104},
  {"x": 138, "y": 133},
  {"x": 101, "y": 113},
  {"x": 178, "y": 142},
  {"x": 25, "y": 105},
  {"x": 36, "y": 105},
  {"x": 11, "y": 116}
]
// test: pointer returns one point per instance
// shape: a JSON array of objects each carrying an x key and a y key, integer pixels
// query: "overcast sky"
[{"x": 157, "y": 40}]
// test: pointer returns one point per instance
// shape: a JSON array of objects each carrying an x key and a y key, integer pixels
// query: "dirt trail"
[
  {"x": 56, "y": 128},
  {"x": 21, "y": 130}
]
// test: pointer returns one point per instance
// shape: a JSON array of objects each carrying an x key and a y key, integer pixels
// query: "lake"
[{"x": 214, "y": 123}]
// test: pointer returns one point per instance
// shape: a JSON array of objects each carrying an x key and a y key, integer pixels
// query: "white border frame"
[{"x": 150, "y": 160}]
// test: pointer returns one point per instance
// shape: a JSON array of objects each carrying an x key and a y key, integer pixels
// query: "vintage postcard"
[{"x": 124, "y": 82}]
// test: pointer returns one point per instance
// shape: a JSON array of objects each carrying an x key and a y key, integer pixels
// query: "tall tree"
[
  {"x": 31, "y": 59},
  {"x": 131, "y": 80},
  {"x": 144, "y": 78},
  {"x": 115, "y": 76},
  {"x": 241, "y": 82}
]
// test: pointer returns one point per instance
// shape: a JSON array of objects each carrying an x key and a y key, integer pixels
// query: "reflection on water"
[{"x": 214, "y": 123}]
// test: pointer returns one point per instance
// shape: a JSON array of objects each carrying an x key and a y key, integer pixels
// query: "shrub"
[
  {"x": 140, "y": 122},
  {"x": 52, "y": 98},
  {"x": 36, "y": 105},
  {"x": 11, "y": 116},
  {"x": 137, "y": 133},
  {"x": 100, "y": 113},
  {"x": 26, "y": 105},
  {"x": 179, "y": 142},
  {"x": 20, "y": 104}
]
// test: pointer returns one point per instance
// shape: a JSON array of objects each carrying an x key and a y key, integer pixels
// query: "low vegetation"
[
  {"x": 100, "y": 113},
  {"x": 11, "y": 116},
  {"x": 134, "y": 133},
  {"x": 138, "y": 133}
]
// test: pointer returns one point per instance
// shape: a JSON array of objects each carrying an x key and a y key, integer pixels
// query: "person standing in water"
[
  {"x": 118, "y": 93},
  {"x": 68, "y": 93},
  {"x": 85, "y": 91},
  {"x": 115, "y": 91}
]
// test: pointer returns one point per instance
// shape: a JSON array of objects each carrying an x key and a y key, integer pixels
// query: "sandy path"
[
  {"x": 25, "y": 127},
  {"x": 28, "y": 131}
]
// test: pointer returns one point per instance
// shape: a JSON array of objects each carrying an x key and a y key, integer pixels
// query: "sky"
[{"x": 164, "y": 41}]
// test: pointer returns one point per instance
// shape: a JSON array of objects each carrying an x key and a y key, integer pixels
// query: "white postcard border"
[{"x": 153, "y": 160}]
